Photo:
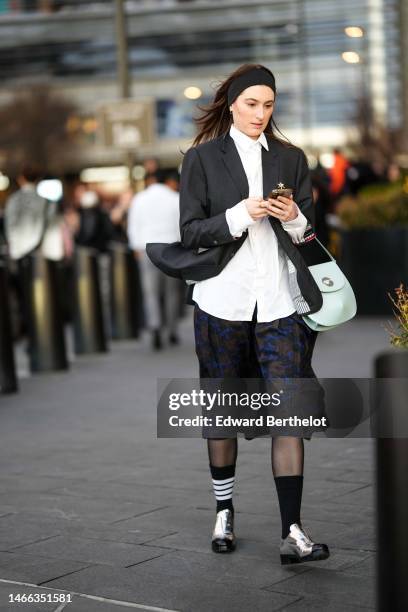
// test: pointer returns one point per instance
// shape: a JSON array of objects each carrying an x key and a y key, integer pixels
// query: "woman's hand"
[
  {"x": 282, "y": 208},
  {"x": 257, "y": 207}
]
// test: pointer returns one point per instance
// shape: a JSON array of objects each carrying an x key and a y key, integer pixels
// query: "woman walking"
[{"x": 246, "y": 316}]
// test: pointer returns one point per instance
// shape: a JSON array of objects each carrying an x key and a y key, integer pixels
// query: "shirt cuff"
[
  {"x": 238, "y": 219},
  {"x": 296, "y": 227}
]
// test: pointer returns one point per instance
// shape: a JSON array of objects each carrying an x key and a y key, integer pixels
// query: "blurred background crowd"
[{"x": 97, "y": 106}]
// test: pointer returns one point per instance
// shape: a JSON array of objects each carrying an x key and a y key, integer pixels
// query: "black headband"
[{"x": 256, "y": 76}]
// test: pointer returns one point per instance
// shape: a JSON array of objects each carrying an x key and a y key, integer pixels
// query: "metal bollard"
[
  {"x": 8, "y": 379},
  {"x": 45, "y": 323},
  {"x": 392, "y": 495},
  {"x": 126, "y": 295},
  {"x": 89, "y": 330}
]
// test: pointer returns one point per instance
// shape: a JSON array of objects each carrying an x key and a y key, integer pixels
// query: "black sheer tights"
[
  {"x": 222, "y": 451},
  {"x": 287, "y": 454}
]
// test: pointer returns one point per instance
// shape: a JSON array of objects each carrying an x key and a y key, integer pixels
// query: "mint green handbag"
[{"x": 339, "y": 302}]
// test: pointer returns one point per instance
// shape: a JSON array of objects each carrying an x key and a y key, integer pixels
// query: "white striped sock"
[{"x": 223, "y": 488}]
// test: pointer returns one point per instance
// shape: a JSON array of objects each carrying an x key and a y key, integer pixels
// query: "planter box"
[
  {"x": 391, "y": 490},
  {"x": 375, "y": 261}
]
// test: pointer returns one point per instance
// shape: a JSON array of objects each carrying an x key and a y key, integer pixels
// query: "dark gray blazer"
[{"x": 212, "y": 180}]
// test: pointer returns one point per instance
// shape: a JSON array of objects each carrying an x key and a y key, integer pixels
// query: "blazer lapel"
[
  {"x": 271, "y": 176},
  {"x": 270, "y": 168},
  {"x": 234, "y": 165}
]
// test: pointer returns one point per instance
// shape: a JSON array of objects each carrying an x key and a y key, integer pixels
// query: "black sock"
[
  {"x": 289, "y": 489},
  {"x": 223, "y": 483}
]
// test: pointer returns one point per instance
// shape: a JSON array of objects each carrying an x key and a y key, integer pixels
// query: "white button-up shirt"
[
  {"x": 257, "y": 274},
  {"x": 154, "y": 216}
]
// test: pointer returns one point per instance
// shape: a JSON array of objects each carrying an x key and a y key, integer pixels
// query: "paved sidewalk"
[{"x": 93, "y": 504}]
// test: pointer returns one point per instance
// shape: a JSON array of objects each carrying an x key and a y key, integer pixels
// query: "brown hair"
[
  {"x": 216, "y": 118},
  {"x": 31, "y": 173}
]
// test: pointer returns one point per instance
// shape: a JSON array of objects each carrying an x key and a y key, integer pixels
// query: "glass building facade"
[{"x": 173, "y": 45}]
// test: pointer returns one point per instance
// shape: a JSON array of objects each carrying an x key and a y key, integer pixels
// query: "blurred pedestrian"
[
  {"x": 338, "y": 174},
  {"x": 31, "y": 223},
  {"x": 320, "y": 173},
  {"x": 154, "y": 217},
  {"x": 95, "y": 229},
  {"x": 118, "y": 215},
  {"x": 25, "y": 216},
  {"x": 321, "y": 199},
  {"x": 2, "y": 230},
  {"x": 362, "y": 173}
]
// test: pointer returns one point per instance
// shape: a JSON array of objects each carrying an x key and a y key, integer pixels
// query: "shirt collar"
[{"x": 245, "y": 142}]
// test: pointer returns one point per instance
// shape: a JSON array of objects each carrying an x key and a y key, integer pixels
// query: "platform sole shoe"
[
  {"x": 223, "y": 538},
  {"x": 298, "y": 547}
]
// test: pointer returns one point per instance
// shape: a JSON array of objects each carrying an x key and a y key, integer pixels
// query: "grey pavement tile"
[
  {"x": 327, "y": 491},
  {"x": 178, "y": 593},
  {"x": 346, "y": 453},
  {"x": 336, "y": 587},
  {"x": 194, "y": 480},
  {"x": 13, "y": 589},
  {"x": 355, "y": 476},
  {"x": 12, "y": 535},
  {"x": 10, "y": 483},
  {"x": 109, "y": 533},
  {"x": 20, "y": 528},
  {"x": 319, "y": 603},
  {"x": 153, "y": 494},
  {"x": 333, "y": 475},
  {"x": 340, "y": 461},
  {"x": 337, "y": 512},
  {"x": 230, "y": 570},
  {"x": 38, "y": 520},
  {"x": 365, "y": 567},
  {"x": 34, "y": 569},
  {"x": 172, "y": 518},
  {"x": 65, "y": 506},
  {"x": 363, "y": 496},
  {"x": 359, "y": 538},
  {"x": 92, "y": 551}
]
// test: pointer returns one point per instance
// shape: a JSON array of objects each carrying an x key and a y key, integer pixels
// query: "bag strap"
[
  {"x": 324, "y": 249},
  {"x": 291, "y": 266}
]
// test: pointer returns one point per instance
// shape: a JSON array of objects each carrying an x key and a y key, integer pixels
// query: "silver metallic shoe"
[
  {"x": 223, "y": 538},
  {"x": 298, "y": 547}
]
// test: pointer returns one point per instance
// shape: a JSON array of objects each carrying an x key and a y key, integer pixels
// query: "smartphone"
[{"x": 286, "y": 192}]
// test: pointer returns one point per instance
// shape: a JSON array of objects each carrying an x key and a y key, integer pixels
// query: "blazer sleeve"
[
  {"x": 303, "y": 189},
  {"x": 197, "y": 229}
]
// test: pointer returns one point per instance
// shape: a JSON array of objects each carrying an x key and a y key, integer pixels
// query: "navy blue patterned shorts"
[{"x": 248, "y": 349}]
